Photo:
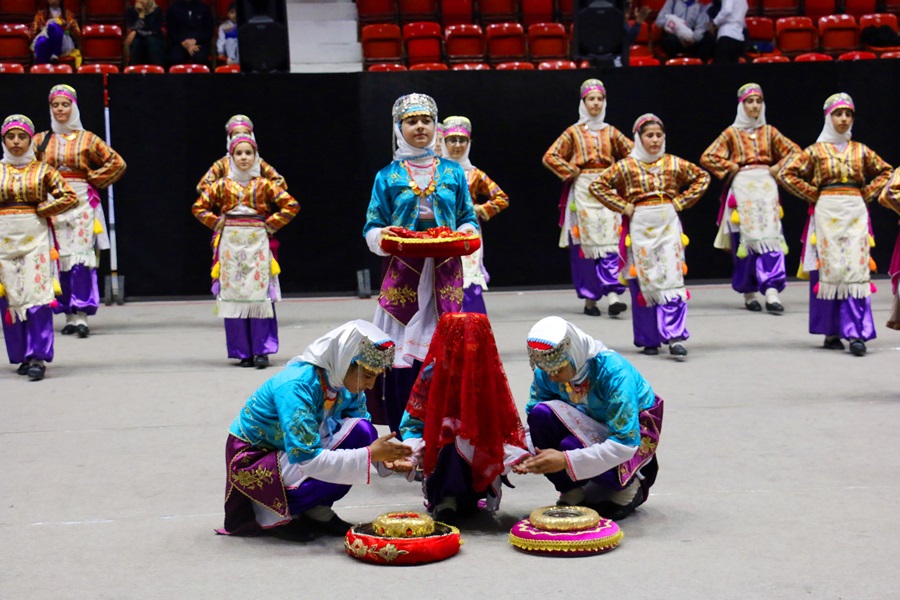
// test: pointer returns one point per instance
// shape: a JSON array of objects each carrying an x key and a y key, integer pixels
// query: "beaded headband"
[
  {"x": 238, "y": 121},
  {"x": 750, "y": 89},
  {"x": 546, "y": 356},
  {"x": 241, "y": 139},
  {"x": 66, "y": 91},
  {"x": 18, "y": 122},
  {"x": 592, "y": 85},
  {"x": 644, "y": 119},
  {"x": 413, "y": 105},
  {"x": 375, "y": 356},
  {"x": 837, "y": 101},
  {"x": 457, "y": 126}
]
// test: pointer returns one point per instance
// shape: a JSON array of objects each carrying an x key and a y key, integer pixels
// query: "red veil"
[{"x": 462, "y": 391}]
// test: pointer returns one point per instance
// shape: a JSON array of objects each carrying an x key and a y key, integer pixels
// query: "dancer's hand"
[
  {"x": 544, "y": 462},
  {"x": 773, "y": 170},
  {"x": 629, "y": 210},
  {"x": 404, "y": 465},
  {"x": 383, "y": 449}
]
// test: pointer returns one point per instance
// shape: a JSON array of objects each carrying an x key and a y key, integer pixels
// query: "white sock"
[
  {"x": 749, "y": 297},
  {"x": 573, "y": 497},
  {"x": 612, "y": 297},
  {"x": 320, "y": 513},
  {"x": 624, "y": 497},
  {"x": 81, "y": 318},
  {"x": 772, "y": 296},
  {"x": 70, "y": 319}
]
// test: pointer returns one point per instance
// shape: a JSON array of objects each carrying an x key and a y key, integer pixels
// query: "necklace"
[
  {"x": 655, "y": 171},
  {"x": 578, "y": 391},
  {"x": 328, "y": 394},
  {"x": 429, "y": 189},
  {"x": 841, "y": 158}
]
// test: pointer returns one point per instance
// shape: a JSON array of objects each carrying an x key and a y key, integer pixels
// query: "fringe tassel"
[
  {"x": 57, "y": 288},
  {"x": 593, "y": 252},
  {"x": 98, "y": 227},
  {"x": 88, "y": 259},
  {"x": 245, "y": 310},
  {"x": 216, "y": 270},
  {"x": 763, "y": 246},
  {"x": 54, "y": 254},
  {"x": 840, "y": 291},
  {"x": 735, "y": 217},
  {"x": 664, "y": 296}
]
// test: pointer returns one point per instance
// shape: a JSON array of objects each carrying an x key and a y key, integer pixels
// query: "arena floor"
[{"x": 777, "y": 478}]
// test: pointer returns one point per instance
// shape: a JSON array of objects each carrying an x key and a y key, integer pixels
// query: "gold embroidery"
[
  {"x": 388, "y": 553},
  {"x": 251, "y": 480},
  {"x": 451, "y": 292},
  {"x": 403, "y": 295}
]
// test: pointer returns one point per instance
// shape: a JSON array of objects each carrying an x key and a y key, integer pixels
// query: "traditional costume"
[
  {"x": 302, "y": 439},
  {"x": 589, "y": 230},
  {"x": 417, "y": 191},
  {"x": 831, "y": 175},
  {"x": 750, "y": 212},
  {"x": 56, "y": 36},
  {"x": 890, "y": 197},
  {"x": 493, "y": 200},
  {"x": 461, "y": 420},
  {"x": 244, "y": 271},
  {"x": 31, "y": 192},
  {"x": 606, "y": 420},
  {"x": 652, "y": 242},
  {"x": 88, "y": 164},
  {"x": 219, "y": 169}
]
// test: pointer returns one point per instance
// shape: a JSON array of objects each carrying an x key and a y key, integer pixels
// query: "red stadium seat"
[
  {"x": 683, "y": 61},
  {"x": 103, "y": 11},
  {"x": 15, "y": 43},
  {"x": 557, "y": 65},
  {"x": 643, "y": 36},
  {"x": 464, "y": 43},
  {"x": 429, "y": 66},
  {"x": 423, "y": 42},
  {"x": 376, "y": 11},
  {"x": 498, "y": 11},
  {"x": 183, "y": 69},
  {"x": 536, "y": 11},
  {"x": 654, "y": 5},
  {"x": 566, "y": 10},
  {"x": 144, "y": 70},
  {"x": 753, "y": 7},
  {"x": 548, "y": 40},
  {"x": 515, "y": 66},
  {"x": 417, "y": 10},
  {"x": 771, "y": 58},
  {"x": 780, "y": 8},
  {"x": 858, "y": 8},
  {"x": 11, "y": 68},
  {"x": 892, "y": 54},
  {"x": 104, "y": 68},
  {"x": 228, "y": 69},
  {"x": 815, "y": 9},
  {"x": 471, "y": 67},
  {"x": 879, "y": 20},
  {"x": 101, "y": 43},
  {"x": 382, "y": 43},
  {"x": 761, "y": 35},
  {"x": 795, "y": 35},
  {"x": 838, "y": 33},
  {"x": 857, "y": 55},
  {"x": 639, "y": 50},
  {"x": 812, "y": 57},
  {"x": 51, "y": 69},
  {"x": 505, "y": 42},
  {"x": 17, "y": 11},
  {"x": 384, "y": 67},
  {"x": 457, "y": 12},
  {"x": 643, "y": 61},
  {"x": 220, "y": 8}
]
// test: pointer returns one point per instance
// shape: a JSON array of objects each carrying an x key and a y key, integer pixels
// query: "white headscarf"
[
  {"x": 743, "y": 120},
  {"x": 338, "y": 349},
  {"x": 24, "y": 123},
  {"x": 639, "y": 152},
  {"x": 74, "y": 122},
  {"x": 234, "y": 173},
  {"x": 558, "y": 340},
  {"x": 403, "y": 150},
  {"x": 458, "y": 126},
  {"x": 584, "y": 117},
  {"x": 829, "y": 133}
]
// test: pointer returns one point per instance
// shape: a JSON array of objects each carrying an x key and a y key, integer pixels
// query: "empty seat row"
[
  {"x": 108, "y": 68},
  {"x": 455, "y": 12},
  {"x": 547, "y": 65}
]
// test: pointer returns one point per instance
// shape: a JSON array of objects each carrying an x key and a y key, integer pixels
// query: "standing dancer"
[
  {"x": 589, "y": 230},
  {"x": 244, "y": 269},
  {"x": 747, "y": 156},
  {"x": 647, "y": 187},
  {"x": 831, "y": 175},
  {"x": 457, "y": 143},
  {"x": 238, "y": 125},
  {"x": 417, "y": 191},
  {"x": 31, "y": 192},
  {"x": 890, "y": 197},
  {"x": 88, "y": 164}
]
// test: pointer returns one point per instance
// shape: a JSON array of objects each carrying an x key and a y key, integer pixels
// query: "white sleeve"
[
  {"x": 373, "y": 237},
  {"x": 724, "y": 12},
  {"x": 417, "y": 445},
  {"x": 340, "y": 466},
  {"x": 512, "y": 455},
  {"x": 585, "y": 463},
  {"x": 466, "y": 227}
]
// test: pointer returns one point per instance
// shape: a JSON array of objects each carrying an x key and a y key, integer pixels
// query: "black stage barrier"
[{"x": 328, "y": 134}]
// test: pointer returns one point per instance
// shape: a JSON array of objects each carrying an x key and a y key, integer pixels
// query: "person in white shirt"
[
  {"x": 684, "y": 23},
  {"x": 728, "y": 27}
]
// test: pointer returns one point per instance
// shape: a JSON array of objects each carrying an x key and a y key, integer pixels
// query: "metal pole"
[{"x": 117, "y": 295}]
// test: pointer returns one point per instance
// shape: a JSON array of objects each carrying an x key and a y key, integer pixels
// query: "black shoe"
[
  {"x": 616, "y": 512},
  {"x": 833, "y": 342},
  {"x": 82, "y": 331},
  {"x": 592, "y": 311},
  {"x": 447, "y": 515},
  {"x": 857, "y": 348},
  {"x": 23, "y": 369},
  {"x": 69, "y": 329},
  {"x": 753, "y": 306},
  {"x": 335, "y": 526},
  {"x": 774, "y": 307},
  {"x": 261, "y": 361},
  {"x": 36, "y": 372},
  {"x": 295, "y": 531},
  {"x": 677, "y": 349},
  {"x": 617, "y": 308},
  {"x": 650, "y": 350},
  {"x": 246, "y": 362}
]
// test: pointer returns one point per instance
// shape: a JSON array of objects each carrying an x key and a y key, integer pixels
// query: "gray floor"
[{"x": 778, "y": 477}]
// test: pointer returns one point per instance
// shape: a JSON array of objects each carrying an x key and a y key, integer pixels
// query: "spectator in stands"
[
  {"x": 145, "y": 42},
  {"x": 728, "y": 27},
  {"x": 684, "y": 23},
  {"x": 191, "y": 30},
  {"x": 55, "y": 34},
  {"x": 635, "y": 20},
  {"x": 227, "y": 42}
]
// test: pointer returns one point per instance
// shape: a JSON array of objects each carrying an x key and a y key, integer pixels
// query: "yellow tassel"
[
  {"x": 784, "y": 247},
  {"x": 871, "y": 241},
  {"x": 215, "y": 271},
  {"x": 276, "y": 268},
  {"x": 622, "y": 279},
  {"x": 684, "y": 268},
  {"x": 632, "y": 272},
  {"x": 872, "y": 266},
  {"x": 685, "y": 240},
  {"x": 735, "y": 217},
  {"x": 742, "y": 251},
  {"x": 780, "y": 212},
  {"x": 57, "y": 288},
  {"x": 628, "y": 241},
  {"x": 98, "y": 227},
  {"x": 801, "y": 274},
  {"x": 2, "y": 290},
  {"x": 812, "y": 239},
  {"x": 216, "y": 240},
  {"x": 54, "y": 254}
]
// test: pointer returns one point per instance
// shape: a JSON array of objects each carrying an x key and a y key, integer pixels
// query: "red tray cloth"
[
  {"x": 363, "y": 543},
  {"x": 437, "y": 242}
]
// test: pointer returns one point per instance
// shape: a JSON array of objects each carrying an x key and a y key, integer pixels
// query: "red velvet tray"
[{"x": 437, "y": 242}]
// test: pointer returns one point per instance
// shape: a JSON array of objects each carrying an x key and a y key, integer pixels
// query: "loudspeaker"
[
  {"x": 263, "y": 36},
  {"x": 599, "y": 30}
]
